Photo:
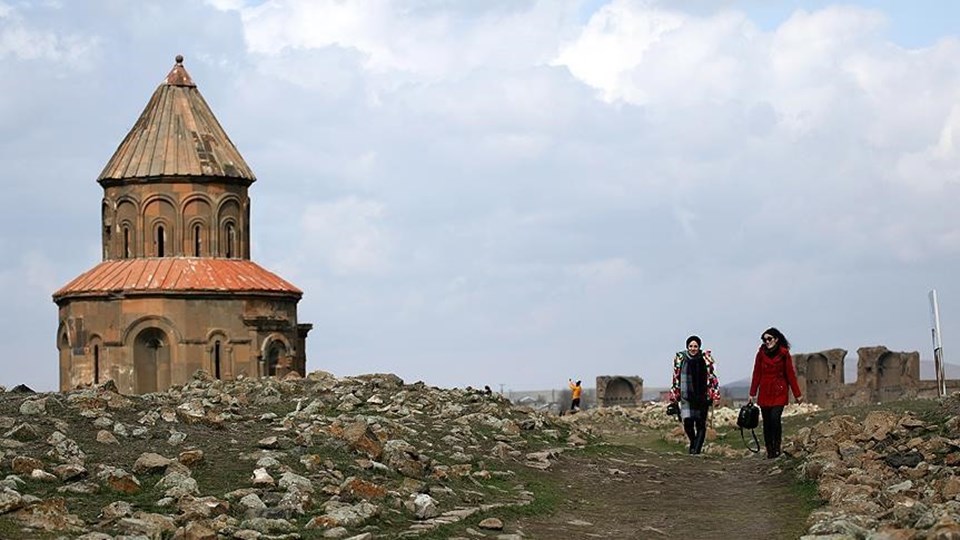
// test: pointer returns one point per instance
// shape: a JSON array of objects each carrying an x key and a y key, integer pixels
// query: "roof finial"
[{"x": 179, "y": 59}]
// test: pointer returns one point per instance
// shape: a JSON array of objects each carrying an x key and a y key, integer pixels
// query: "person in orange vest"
[{"x": 575, "y": 391}]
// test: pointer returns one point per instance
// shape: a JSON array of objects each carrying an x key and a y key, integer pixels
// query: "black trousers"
[
  {"x": 696, "y": 430},
  {"x": 772, "y": 429}
]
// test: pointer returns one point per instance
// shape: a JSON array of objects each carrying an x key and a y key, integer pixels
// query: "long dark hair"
[{"x": 781, "y": 339}]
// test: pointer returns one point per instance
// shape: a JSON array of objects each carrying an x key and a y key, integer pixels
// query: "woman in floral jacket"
[{"x": 696, "y": 387}]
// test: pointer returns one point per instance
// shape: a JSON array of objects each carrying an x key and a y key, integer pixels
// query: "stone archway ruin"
[
  {"x": 818, "y": 378},
  {"x": 619, "y": 390},
  {"x": 275, "y": 357},
  {"x": 151, "y": 358}
]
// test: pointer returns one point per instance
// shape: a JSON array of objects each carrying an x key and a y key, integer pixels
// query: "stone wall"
[
  {"x": 820, "y": 375},
  {"x": 111, "y": 338},
  {"x": 882, "y": 375},
  {"x": 625, "y": 391}
]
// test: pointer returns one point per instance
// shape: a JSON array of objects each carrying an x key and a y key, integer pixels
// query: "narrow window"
[
  {"x": 196, "y": 240},
  {"x": 126, "y": 242},
  {"x": 96, "y": 364},
  {"x": 216, "y": 359},
  {"x": 160, "y": 240},
  {"x": 231, "y": 238}
]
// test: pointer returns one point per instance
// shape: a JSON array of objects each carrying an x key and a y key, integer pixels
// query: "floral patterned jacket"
[{"x": 713, "y": 384}]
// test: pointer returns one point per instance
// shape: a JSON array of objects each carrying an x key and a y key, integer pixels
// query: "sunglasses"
[{"x": 767, "y": 339}]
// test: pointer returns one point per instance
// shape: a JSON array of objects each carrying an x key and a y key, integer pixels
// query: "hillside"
[{"x": 371, "y": 457}]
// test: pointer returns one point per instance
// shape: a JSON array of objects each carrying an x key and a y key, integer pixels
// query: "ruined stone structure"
[
  {"x": 619, "y": 390},
  {"x": 176, "y": 290},
  {"x": 820, "y": 375},
  {"x": 882, "y": 375}
]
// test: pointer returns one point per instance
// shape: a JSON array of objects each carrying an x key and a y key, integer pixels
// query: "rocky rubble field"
[
  {"x": 316, "y": 457},
  {"x": 888, "y": 476},
  {"x": 371, "y": 457}
]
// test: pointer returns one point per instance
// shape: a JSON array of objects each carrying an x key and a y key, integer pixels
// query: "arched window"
[
  {"x": 126, "y": 242},
  {"x": 231, "y": 237},
  {"x": 216, "y": 359},
  {"x": 197, "y": 240},
  {"x": 96, "y": 364},
  {"x": 159, "y": 240}
]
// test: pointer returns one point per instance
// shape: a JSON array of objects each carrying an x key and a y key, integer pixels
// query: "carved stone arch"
[
  {"x": 153, "y": 197},
  {"x": 231, "y": 231},
  {"x": 196, "y": 237},
  {"x": 276, "y": 352},
  {"x": 95, "y": 354},
  {"x": 153, "y": 342},
  {"x": 160, "y": 209},
  {"x": 65, "y": 356},
  {"x": 229, "y": 238},
  {"x": 196, "y": 209},
  {"x": 107, "y": 222},
  {"x": 228, "y": 198},
  {"x": 161, "y": 238},
  {"x": 620, "y": 391},
  {"x": 63, "y": 334},
  {"x": 219, "y": 362},
  {"x": 151, "y": 320},
  {"x": 129, "y": 227},
  {"x": 195, "y": 197}
]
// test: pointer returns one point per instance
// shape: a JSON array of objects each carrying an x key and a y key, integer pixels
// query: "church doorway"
[
  {"x": 276, "y": 352},
  {"x": 151, "y": 353}
]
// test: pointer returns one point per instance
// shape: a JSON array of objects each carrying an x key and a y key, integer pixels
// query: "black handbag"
[
  {"x": 749, "y": 418},
  {"x": 673, "y": 409}
]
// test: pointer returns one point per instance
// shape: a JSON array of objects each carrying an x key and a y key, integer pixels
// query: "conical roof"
[{"x": 176, "y": 135}]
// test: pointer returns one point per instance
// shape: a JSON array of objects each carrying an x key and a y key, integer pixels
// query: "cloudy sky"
[{"x": 514, "y": 192}]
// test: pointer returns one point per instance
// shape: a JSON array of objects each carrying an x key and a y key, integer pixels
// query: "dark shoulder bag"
[{"x": 749, "y": 418}]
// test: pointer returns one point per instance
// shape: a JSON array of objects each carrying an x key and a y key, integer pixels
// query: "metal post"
[{"x": 937, "y": 344}]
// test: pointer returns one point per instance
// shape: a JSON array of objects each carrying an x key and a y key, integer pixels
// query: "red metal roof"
[
  {"x": 166, "y": 275},
  {"x": 176, "y": 135}
]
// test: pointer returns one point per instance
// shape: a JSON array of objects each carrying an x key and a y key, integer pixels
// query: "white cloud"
[
  {"x": 25, "y": 41},
  {"x": 421, "y": 39},
  {"x": 939, "y": 164},
  {"x": 505, "y": 185},
  {"x": 348, "y": 234}
]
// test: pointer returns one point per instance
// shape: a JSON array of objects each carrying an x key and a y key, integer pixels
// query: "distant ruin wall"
[
  {"x": 620, "y": 390},
  {"x": 820, "y": 375},
  {"x": 882, "y": 375}
]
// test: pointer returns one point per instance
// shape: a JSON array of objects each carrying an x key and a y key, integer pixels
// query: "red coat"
[{"x": 771, "y": 375}]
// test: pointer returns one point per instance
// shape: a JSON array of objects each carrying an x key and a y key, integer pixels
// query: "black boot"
[{"x": 698, "y": 443}]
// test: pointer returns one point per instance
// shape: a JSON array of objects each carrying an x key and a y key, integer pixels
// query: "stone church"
[{"x": 176, "y": 291}]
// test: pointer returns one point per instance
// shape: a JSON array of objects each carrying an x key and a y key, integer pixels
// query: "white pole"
[{"x": 937, "y": 344}]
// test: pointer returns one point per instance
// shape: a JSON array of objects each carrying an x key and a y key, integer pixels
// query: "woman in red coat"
[{"x": 772, "y": 373}]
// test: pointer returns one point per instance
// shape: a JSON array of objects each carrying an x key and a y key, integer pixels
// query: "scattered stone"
[{"x": 491, "y": 524}]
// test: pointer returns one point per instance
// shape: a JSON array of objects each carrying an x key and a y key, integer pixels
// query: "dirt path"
[{"x": 632, "y": 492}]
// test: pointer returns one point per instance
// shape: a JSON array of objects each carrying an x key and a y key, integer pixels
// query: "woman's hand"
[{"x": 799, "y": 399}]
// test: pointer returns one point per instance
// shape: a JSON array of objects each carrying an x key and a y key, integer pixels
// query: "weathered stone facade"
[
  {"x": 625, "y": 391},
  {"x": 176, "y": 291},
  {"x": 882, "y": 375},
  {"x": 820, "y": 375}
]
